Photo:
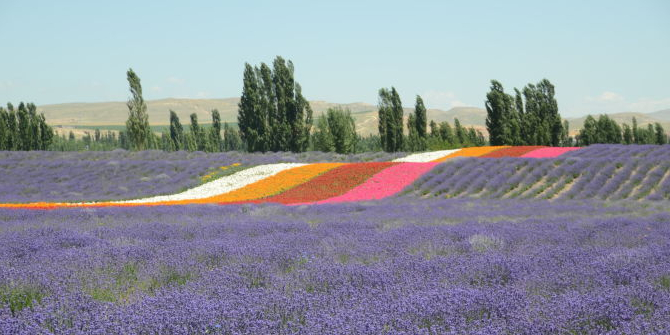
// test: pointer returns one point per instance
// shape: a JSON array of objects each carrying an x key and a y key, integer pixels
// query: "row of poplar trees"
[
  {"x": 273, "y": 115},
  {"x": 606, "y": 130},
  {"x": 24, "y": 129},
  {"x": 530, "y": 117},
  {"x": 139, "y": 136},
  {"x": 418, "y": 139}
]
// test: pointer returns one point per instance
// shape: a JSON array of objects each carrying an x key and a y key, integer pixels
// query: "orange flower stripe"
[
  {"x": 512, "y": 151},
  {"x": 270, "y": 186},
  {"x": 471, "y": 152}
]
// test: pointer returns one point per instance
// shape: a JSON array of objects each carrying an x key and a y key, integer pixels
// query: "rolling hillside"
[{"x": 116, "y": 113}]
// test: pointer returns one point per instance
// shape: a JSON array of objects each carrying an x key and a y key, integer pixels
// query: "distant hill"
[
  {"x": 662, "y": 117},
  {"x": 115, "y": 113}
]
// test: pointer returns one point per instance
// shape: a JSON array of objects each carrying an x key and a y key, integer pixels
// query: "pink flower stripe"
[
  {"x": 385, "y": 183},
  {"x": 549, "y": 152}
]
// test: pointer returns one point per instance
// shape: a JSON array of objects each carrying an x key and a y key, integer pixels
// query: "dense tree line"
[
  {"x": 606, "y": 130},
  {"x": 200, "y": 138},
  {"x": 273, "y": 115},
  {"x": 96, "y": 141},
  {"x": 418, "y": 139},
  {"x": 444, "y": 136},
  {"x": 24, "y": 129},
  {"x": 335, "y": 131},
  {"x": 530, "y": 117}
]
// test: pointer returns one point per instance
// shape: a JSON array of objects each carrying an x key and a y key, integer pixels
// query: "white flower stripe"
[
  {"x": 425, "y": 157},
  {"x": 222, "y": 185}
]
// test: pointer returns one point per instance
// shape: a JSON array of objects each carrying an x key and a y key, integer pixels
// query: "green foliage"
[
  {"x": 273, "y": 114},
  {"x": 606, "y": 130},
  {"x": 215, "y": 142},
  {"x": 24, "y": 129},
  {"x": 231, "y": 138},
  {"x": 198, "y": 134},
  {"x": 176, "y": 132},
  {"x": 19, "y": 297},
  {"x": 510, "y": 122},
  {"x": 390, "y": 120},
  {"x": 421, "y": 119},
  {"x": 335, "y": 131},
  {"x": 137, "y": 125}
]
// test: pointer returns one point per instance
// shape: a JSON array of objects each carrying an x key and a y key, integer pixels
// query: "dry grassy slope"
[
  {"x": 116, "y": 113},
  {"x": 663, "y": 117}
]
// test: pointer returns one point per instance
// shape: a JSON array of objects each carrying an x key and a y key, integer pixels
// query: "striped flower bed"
[
  {"x": 330, "y": 184},
  {"x": 470, "y": 152},
  {"x": 511, "y": 152},
  {"x": 385, "y": 183},
  {"x": 318, "y": 183},
  {"x": 549, "y": 152}
]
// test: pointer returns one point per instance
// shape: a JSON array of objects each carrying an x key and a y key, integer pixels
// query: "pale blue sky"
[{"x": 603, "y": 56}]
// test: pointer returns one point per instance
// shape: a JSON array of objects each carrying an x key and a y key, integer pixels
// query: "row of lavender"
[
  {"x": 608, "y": 172},
  {"x": 115, "y": 175},
  {"x": 402, "y": 265}
]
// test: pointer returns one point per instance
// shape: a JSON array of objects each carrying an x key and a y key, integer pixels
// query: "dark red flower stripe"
[
  {"x": 512, "y": 151},
  {"x": 330, "y": 184}
]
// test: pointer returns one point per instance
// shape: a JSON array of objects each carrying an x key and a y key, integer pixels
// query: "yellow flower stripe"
[
  {"x": 276, "y": 184},
  {"x": 471, "y": 152}
]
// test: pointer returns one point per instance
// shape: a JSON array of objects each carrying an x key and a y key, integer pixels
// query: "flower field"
[
  {"x": 491, "y": 240},
  {"x": 299, "y": 183}
]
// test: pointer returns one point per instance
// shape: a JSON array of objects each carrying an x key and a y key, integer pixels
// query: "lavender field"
[
  {"x": 578, "y": 244},
  {"x": 75, "y": 176}
]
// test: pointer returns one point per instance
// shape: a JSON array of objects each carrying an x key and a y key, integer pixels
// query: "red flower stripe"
[
  {"x": 330, "y": 184},
  {"x": 512, "y": 151}
]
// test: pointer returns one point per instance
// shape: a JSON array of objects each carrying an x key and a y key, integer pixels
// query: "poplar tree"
[
  {"x": 661, "y": 137},
  {"x": 460, "y": 132},
  {"x": 215, "y": 142},
  {"x": 420, "y": 123},
  {"x": 412, "y": 135},
  {"x": 496, "y": 110},
  {"x": 627, "y": 134},
  {"x": 3, "y": 128},
  {"x": 231, "y": 138},
  {"x": 176, "y": 132},
  {"x": 198, "y": 133},
  {"x": 137, "y": 125},
  {"x": 251, "y": 116},
  {"x": 390, "y": 120}
]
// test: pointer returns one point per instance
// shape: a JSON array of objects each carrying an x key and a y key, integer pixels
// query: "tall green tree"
[
  {"x": 251, "y": 116},
  {"x": 176, "y": 132},
  {"x": 231, "y": 138},
  {"x": 496, "y": 112},
  {"x": 460, "y": 133},
  {"x": 215, "y": 142},
  {"x": 198, "y": 133},
  {"x": 294, "y": 112},
  {"x": 390, "y": 120},
  {"x": 4, "y": 132},
  {"x": 661, "y": 137},
  {"x": 636, "y": 133},
  {"x": 421, "y": 121},
  {"x": 627, "y": 134},
  {"x": 336, "y": 131},
  {"x": 137, "y": 125},
  {"x": 273, "y": 113}
]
